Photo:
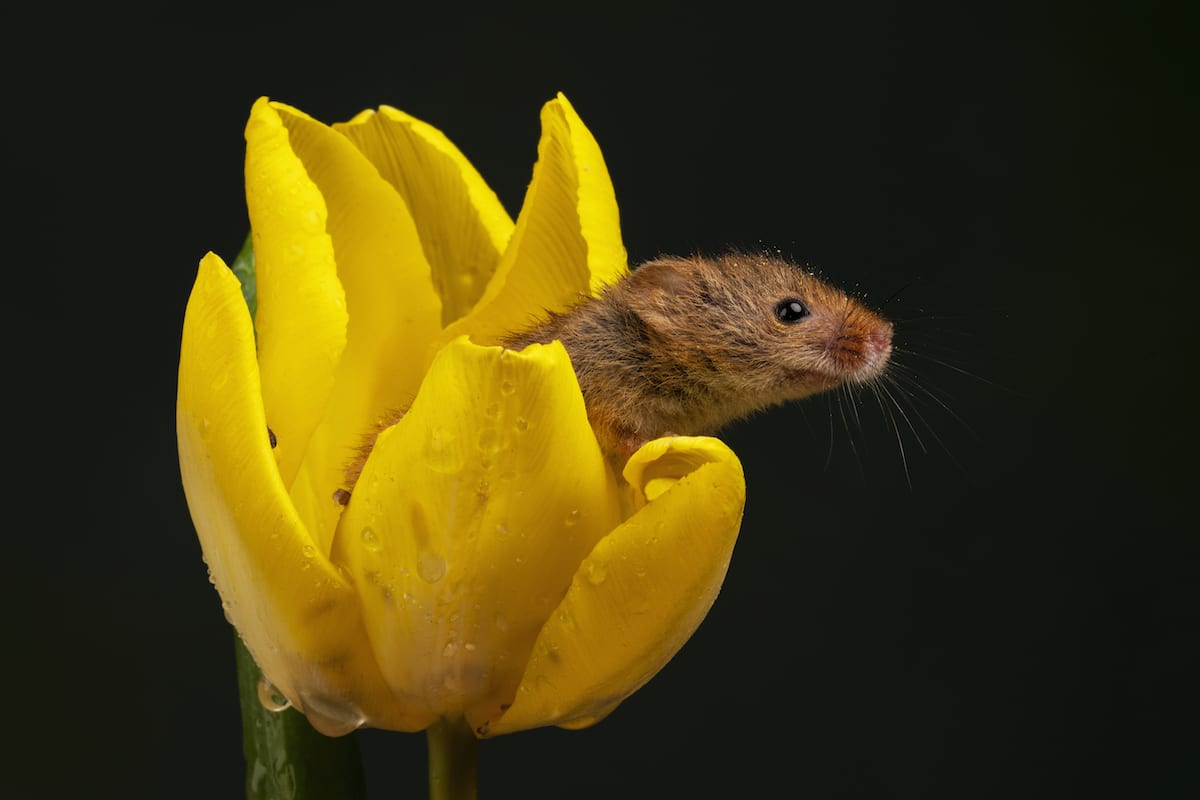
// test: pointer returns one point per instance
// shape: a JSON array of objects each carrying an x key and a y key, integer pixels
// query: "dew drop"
[
  {"x": 370, "y": 539},
  {"x": 501, "y": 623},
  {"x": 309, "y": 551},
  {"x": 597, "y": 571},
  {"x": 572, "y": 518},
  {"x": 450, "y": 649},
  {"x": 492, "y": 410},
  {"x": 522, "y": 424},
  {"x": 489, "y": 441},
  {"x": 507, "y": 387},
  {"x": 271, "y": 698},
  {"x": 502, "y": 528},
  {"x": 441, "y": 451},
  {"x": 430, "y": 566}
]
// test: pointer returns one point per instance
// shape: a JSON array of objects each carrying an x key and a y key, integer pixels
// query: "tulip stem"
[{"x": 453, "y": 760}]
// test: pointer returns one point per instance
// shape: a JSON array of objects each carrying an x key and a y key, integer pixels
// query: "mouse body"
[{"x": 684, "y": 346}]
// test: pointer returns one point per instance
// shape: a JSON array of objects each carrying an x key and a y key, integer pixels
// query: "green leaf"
[{"x": 243, "y": 267}]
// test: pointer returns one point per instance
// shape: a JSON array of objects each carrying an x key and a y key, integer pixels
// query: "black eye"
[{"x": 790, "y": 310}]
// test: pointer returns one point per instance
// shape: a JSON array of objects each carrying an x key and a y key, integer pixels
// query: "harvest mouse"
[{"x": 683, "y": 346}]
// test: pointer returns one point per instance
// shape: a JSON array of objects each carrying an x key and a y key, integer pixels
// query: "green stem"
[{"x": 453, "y": 760}]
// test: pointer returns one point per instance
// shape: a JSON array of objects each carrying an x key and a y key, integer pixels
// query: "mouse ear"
[
  {"x": 671, "y": 276},
  {"x": 662, "y": 288}
]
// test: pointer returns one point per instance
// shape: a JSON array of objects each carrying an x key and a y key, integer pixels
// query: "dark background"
[{"x": 1008, "y": 609}]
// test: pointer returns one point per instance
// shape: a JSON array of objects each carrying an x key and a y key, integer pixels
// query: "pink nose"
[{"x": 881, "y": 339}]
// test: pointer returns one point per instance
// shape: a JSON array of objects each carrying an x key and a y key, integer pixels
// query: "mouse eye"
[{"x": 791, "y": 310}]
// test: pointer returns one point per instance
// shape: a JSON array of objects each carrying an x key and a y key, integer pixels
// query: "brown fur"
[{"x": 686, "y": 345}]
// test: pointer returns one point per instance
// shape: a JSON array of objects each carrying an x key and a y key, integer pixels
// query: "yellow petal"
[
  {"x": 469, "y": 521},
  {"x": 394, "y": 313},
  {"x": 301, "y": 316},
  {"x": 462, "y": 224},
  {"x": 296, "y": 612},
  {"x": 642, "y": 591},
  {"x": 567, "y": 243}
]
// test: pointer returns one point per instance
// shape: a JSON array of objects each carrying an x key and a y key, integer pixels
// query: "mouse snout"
[{"x": 861, "y": 345}]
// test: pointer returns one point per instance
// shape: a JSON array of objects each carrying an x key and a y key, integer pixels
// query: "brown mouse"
[{"x": 683, "y": 346}]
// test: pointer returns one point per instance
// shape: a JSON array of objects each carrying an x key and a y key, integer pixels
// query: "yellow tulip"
[{"x": 491, "y": 564}]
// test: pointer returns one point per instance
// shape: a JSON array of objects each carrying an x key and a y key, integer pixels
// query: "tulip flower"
[{"x": 491, "y": 564}]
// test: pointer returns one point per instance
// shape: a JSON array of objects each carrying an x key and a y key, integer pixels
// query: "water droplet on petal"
[
  {"x": 271, "y": 698},
  {"x": 442, "y": 453},
  {"x": 370, "y": 539},
  {"x": 571, "y": 518},
  {"x": 501, "y": 622},
  {"x": 597, "y": 571},
  {"x": 489, "y": 441},
  {"x": 502, "y": 528},
  {"x": 309, "y": 551},
  {"x": 507, "y": 387},
  {"x": 522, "y": 424},
  {"x": 450, "y": 649},
  {"x": 430, "y": 566},
  {"x": 469, "y": 647}
]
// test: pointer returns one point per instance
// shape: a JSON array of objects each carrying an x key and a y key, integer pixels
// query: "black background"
[{"x": 1008, "y": 609}]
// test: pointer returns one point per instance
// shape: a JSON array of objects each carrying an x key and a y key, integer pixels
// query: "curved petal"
[
  {"x": 296, "y": 612},
  {"x": 470, "y": 518},
  {"x": 642, "y": 591},
  {"x": 567, "y": 243},
  {"x": 462, "y": 224},
  {"x": 301, "y": 316},
  {"x": 394, "y": 313}
]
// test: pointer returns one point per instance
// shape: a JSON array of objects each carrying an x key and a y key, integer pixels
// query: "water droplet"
[
  {"x": 571, "y": 518},
  {"x": 331, "y": 716},
  {"x": 450, "y": 649},
  {"x": 507, "y": 387},
  {"x": 482, "y": 491},
  {"x": 597, "y": 571},
  {"x": 501, "y": 622},
  {"x": 204, "y": 424},
  {"x": 502, "y": 528},
  {"x": 430, "y": 566},
  {"x": 522, "y": 424},
  {"x": 271, "y": 698},
  {"x": 489, "y": 441},
  {"x": 492, "y": 410},
  {"x": 442, "y": 452},
  {"x": 370, "y": 539},
  {"x": 309, "y": 551},
  {"x": 469, "y": 647}
]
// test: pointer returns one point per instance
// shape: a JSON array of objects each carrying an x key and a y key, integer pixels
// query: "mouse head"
[{"x": 764, "y": 322}]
